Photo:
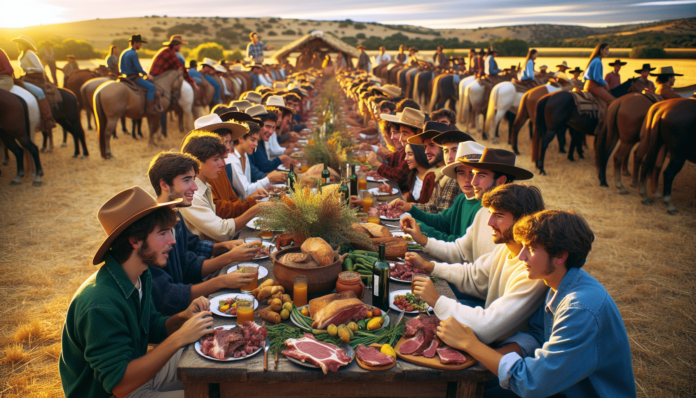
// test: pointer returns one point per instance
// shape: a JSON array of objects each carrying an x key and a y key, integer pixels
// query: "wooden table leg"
[
  {"x": 196, "y": 390},
  {"x": 464, "y": 389}
]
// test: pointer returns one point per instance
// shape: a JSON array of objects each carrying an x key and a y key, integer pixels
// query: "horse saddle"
[
  {"x": 652, "y": 97},
  {"x": 130, "y": 83},
  {"x": 587, "y": 103}
]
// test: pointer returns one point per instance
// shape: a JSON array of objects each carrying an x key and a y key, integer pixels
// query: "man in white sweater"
[
  {"x": 496, "y": 167},
  {"x": 499, "y": 277}
]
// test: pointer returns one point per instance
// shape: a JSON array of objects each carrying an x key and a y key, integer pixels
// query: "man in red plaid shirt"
[{"x": 166, "y": 59}]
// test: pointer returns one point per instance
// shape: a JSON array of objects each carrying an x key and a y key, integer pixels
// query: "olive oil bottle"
[{"x": 380, "y": 281}]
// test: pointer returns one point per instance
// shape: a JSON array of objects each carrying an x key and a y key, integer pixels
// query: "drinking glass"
[
  {"x": 245, "y": 309},
  {"x": 362, "y": 179},
  {"x": 362, "y": 156},
  {"x": 368, "y": 201},
  {"x": 248, "y": 268},
  {"x": 299, "y": 291},
  {"x": 373, "y": 215},
  {"x": 304, "y": 165},
  {"x": 419, "y": 276}
]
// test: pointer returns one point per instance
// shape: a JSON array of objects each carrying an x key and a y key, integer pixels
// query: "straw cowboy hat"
[
  {"x": 430, "y": 130},
  {"x": 645, "y": 67},
  {"x": 136, "y": 39},
  {"x": 25, "y": 40},
  {"x": 122, "y": 210},
  {"x": 213, "y": 122},
  {"x": 542, "y": 67},
  {"x": 208, "y": 62},
  {"x": 563, "y": 65},
  {"x": 409, "y": 117},
  {"x": 256, "y": 110},
  {"x": 70, "y": 56},
  {"x": 242, "y": 105},
  {"x": 278, "y": 102},
  {"x": 617, "y": 62},
  {"x": 279, "y": 85},
  {"x": 220, "y": 68},
  {"x": 666, "y": 70},
  {"x": 237, "y": 68},
  {"x": 175, "y": 39},
  {"x": 390, "y": 90},
  {"x": 239, "y": 117},
  {"x": 465, "y": 150},
  {"x": 452, "y": 136},
  {"x": 253, "y": 97},
  {"x": 257, "y": 65},
  {"x": 499, "y": 160}
]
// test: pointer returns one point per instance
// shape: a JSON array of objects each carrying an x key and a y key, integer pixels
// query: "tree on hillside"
[
  {"x": 208, "y": 50},
  {"x": 510, "y": 47}
]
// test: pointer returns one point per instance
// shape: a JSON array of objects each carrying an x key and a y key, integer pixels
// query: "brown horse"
[
  {"x": 75, "y": 83},
  {"x": 15, "y": 134},
  {"x": 624, "y": 120},
  {"x": 671, "y": 123},
  {"x": 113, "y": 100}
]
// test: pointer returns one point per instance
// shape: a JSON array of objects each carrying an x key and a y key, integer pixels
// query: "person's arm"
[
  {"x": 227, "y": 204},
  {"x": 451, "y": 252},
  {"x": 168, "y": 297},
  {"x": 261, "y": 160},
  {"x": 428, "y": 187},
  {"x": 435, "y": 224},
  {"x": 595, "y": 72},
  {"x": 397, "y": 173},
  {"x": 34, "y": 63},
  {"x": 201, "y": 216}
]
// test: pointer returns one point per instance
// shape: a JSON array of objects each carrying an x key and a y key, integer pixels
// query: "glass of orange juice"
[
  {"x": 304, "y": 165},
  {"x": 245, "y": 309},
  {"x": 249, "y": 268},
  {"x": 362, "y": 179},
  {"x": 362, "y": 156},
  {"x": 368, "y": 201},
  {"x": 373, "y": 215},
  {"x": 299, "y": 291}
]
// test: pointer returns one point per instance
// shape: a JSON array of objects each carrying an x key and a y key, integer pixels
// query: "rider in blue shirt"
[{"x": 129, "y": 65}]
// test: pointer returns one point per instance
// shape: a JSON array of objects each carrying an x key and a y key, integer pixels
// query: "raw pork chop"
[
  {"x": 422, "y": 329},
  {"x": 372, "y": 357},
  {"x": 431, "y": 351},
  {"x": 307, "y": 349},
  {"x": 450, "y": 355}
]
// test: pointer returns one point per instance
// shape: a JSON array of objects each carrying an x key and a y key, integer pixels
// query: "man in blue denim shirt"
[{"x": 577, "y": 344}]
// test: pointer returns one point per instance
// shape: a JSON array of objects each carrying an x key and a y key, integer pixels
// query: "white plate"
[
  {"x": 402, "y": 293},
  {"x": 400, "y": 234},
  {"x": 282, "y": 167},
  {"x": 226, "y": 327},
  {"x": 266, "y": 199},
  {"x": 345, "y": 346},
  {"x": 370, "y": 178},
  {"x": 292, "y": 318},
  {"x": 394, "y": 219},
  {"x": 272, "y": 248},
  {"x": 375, "y": 191},
  {"x": 305, "y": 142},
  {"x": 251, "y": 225},
  {"x": 263, "y": 272},
  {"x": 214, "y": 303}
]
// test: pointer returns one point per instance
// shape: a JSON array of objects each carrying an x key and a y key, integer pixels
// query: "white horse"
[
  {"x": 459, "y": 106},
  {"x": 186, "y": 104},
  {"x": 473, "y": 103},
  {"x": 504, "y": 97}
]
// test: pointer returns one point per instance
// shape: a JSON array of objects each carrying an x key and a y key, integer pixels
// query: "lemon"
[
  {"x": 388, "y": 350},
  {"x": 333, "y": 330}
]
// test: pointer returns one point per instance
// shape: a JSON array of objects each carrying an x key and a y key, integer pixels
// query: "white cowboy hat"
[
  {"x": 278, "y": 102},
  {"x": 241, "y": 105},
  {"x": 208, "y": 62},
  {"x": 220, "y": 68},
  {"x": 26, "y": 40},
  {"x": 279, "y": 85},
  {"x": 409, "y": 117},
  {"x": 213, "y": 122},
  {"x": 237, "y": 68},
  {"x": 256, "y": 110},
  {"x": 469, "y": 150}
]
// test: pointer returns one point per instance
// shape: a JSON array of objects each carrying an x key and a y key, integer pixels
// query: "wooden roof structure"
[{"x": 318, "y": 41}]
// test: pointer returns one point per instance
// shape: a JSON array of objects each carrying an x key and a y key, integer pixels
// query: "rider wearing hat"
[
  {"x": 208, "y": 71},
  {"x": 34, "y": 79},
  {"x": 613, "y": 78},
  {"x": 491, "y": 66},
  {"x": 129, "y": 65},
  {"x": 643, "y": 82},
  {"x": 574, "y": 80},
  {"x": 363, "y": 60},
  {"x": 167, "y": 59},
  {"x": 69, "y": 68},
  {"x": 665, "y": 82}
]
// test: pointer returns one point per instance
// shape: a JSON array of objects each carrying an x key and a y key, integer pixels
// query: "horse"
[
  {"x": 113, "y": 100},
  {"x": 421, "y": 91},
  {"x": 504, "y": 97},
  {"x": 444, "y": 89},
  {"x": 624, "y": 120},
  {"x": 670, "y": 123},
  {"x": 15, "y": 133},
  {"x": 557, "y": 111},
  {"x": 463, "y": 84},
  {"x": 75, "y": 83},
  {"x": 527, "y": 111},
  {"x": 473, "y": 101}
]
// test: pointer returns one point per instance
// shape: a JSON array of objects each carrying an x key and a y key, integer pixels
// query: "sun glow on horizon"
[{"x": 21, "y": 14}]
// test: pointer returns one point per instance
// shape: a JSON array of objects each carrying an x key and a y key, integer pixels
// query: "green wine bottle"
[
  {"x": 325, "y": 175},
  {"x": 292, "y": 178},
  {"x": 353, "y": 180},
  {"x": 343, "y": 190},
  {"x": 380, "y": 281}
]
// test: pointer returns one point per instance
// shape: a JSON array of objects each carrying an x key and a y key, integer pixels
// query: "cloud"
[{"x": 665, "y": 3}]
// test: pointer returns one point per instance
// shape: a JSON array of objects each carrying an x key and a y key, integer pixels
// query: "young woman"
[
  {"x": 421, "y": 178},
  {"x": 527, "y": 75},
  {"x": 594, "y": 82},
  {"x": 241, "y": 164}
]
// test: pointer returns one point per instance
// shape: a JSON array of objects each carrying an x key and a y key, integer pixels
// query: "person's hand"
[
  {"x": 372, "y": 160},
  {"x": 400, "y": 204},
  {"x": 235, "y": 280},
  {"x": 243, "y": 252},
  {"x": 416, "y": 261},
  {"x": 150, "y": 77},
  {"x": 456, "y": 335},
  {"x": 285, "y": 159},
  {"x": 383, "y": 152},
  {"x": 261, "y": 193},
  {"x": 200, "y": 304},
  {"x": 231, "y": 244},
  {"x": 196, "y": 327},
  {"x": 356, "y": 201},
  {"x": 276, "y": 177},
  {"x": 410, "y": 226},
  {"x": 425, "y": 288},
  {"x": 366, "y": 147},
  {"x": 294, "y": 135}
]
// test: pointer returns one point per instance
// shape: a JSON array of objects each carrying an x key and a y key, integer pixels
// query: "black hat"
[
  {"x": 430, "y": 130},
  {"x": 577, "y": 69},
  {"x": 617, "y": 62},
  {"x": 452, "y": 136},
  {"x": 645, "y": 67},
  {"x": 239, "y": 117},
  {"x": 136, "y": 39}
]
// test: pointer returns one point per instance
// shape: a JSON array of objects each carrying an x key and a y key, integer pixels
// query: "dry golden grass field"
[{"x": 48, "y": 236}]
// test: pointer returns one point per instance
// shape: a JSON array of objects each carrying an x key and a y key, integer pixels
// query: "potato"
[
  {"x": 287, "y": 299},
  {"x": 276, "y": 304}
]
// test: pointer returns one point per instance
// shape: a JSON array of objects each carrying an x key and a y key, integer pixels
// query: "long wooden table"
[{"x": 246, "y": 378}]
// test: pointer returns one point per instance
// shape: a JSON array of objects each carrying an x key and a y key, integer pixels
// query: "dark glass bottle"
[
  {"x": 380, "y": 281},
  {"x": 353, "y": 181},
  {"x": 292, "y": 177},
  {"x": 343, "y": 190},
  {"x": 325, "y": 175}
]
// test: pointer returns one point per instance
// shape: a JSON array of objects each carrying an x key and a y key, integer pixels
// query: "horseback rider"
[
  {"x": 439, "y": 58},
  {"x": 574, "y": 80},
  {"x": 382, "y": 57},
  {"x": 613, "y": 78},
  {"x": 643, "y": 82},
  {"x": 69, "y": 68},
  {"x": 526, "y": 76},
  {"x": 364, "y": 60},
  {"x": 48, "y": 56},
  {"x": 665, "y": 81},
  {"x": 194, "y": 73},
  {"x": 491, "y": 66},
  {"x": 6, "y": 72},
  {"x": 208, "y": 71},
  {"x": 401, "y": 57},
  {"x": 412, "y": 56},
  {"x": 112, "y": 60},
  {"x": 593, "y": 74},
  {"x": 167, "y": 59},
  {"x": 129, "y": 65},
  {"x": 561, "y": 76},
  {"x": 34, "y": 79}
]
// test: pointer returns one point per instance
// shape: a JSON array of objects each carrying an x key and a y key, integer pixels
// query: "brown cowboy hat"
[
  {"x": 645, "y": 67},
  {"x": 409, "y": 117},
  {"x": 453, "y": 136},
  {"x": 122, "y": 210},
  {"x": 617, "y": 62},
  {"x": 252, "y": 96},
  {"x": 175, "y": 39},
  {"x": 136, "y": 39},
  {"x": 256, "y": 110},
  {"x": 430, "y": 130},
  {"x": 666, "y": 70},
  {"x": 242, "y": 105},
  {"x": 501, "y": 161}
]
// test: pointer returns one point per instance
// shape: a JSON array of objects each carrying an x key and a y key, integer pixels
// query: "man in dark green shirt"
[{"x": 111, "y": 319}]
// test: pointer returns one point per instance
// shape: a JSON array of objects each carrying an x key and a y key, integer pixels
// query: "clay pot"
[
  {"x": 349, "y": 280},
  {"x": 283, "y": 240},
  {"x": 320, "y": 280},
  {"x": 299, "y": 239}
]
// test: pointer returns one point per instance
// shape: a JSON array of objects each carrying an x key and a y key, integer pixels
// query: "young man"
[
  {"x": 576, "y": 345},
  {"x": 665, "y": 81},
  {"x": 643, "y": 81},
  {"x": 129, "y": 65},
  {"x": 444, "y": 116},
  {"x": 255, "y": 48},
  {"x": 613, "y": 78},
  {"x": 241, "y": 164},
  {"x": 200, "y": 217},
  {"x": 496, "y": 167},
  {"x": 263, "y": 158},
  {"x": 499, "y": 277},
  {"x": 451, "y": 224},
  {"x": 173, "y": 176},
  {"x": 111, "y": 319}
]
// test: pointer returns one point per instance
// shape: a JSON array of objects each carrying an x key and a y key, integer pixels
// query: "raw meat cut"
[
  {"x": 404, "y": 272},
  {"x": 340, "y": 308},
  {"x": 422, "y": 330},
  {"x": 307, "y": 349},
  {"x": 448, "y": 354},
  {"x": 374, "y": 174},
  {"x": 372, "y": 357},
  {"x": 415, "y": 345},
  {"x": 431, "y": 351},
  {"x": 387, "y": 212},
  {"x": 236, "y": 342}
]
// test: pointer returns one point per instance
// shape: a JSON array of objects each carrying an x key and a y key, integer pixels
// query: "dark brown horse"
[
  {"x": 75, "y": 83},
  {"x": 671, "y": 123},
  {"x": 556, "y": 112},
  {"x": 527, "y": 111},
  {"x": 15, "y": 134}
]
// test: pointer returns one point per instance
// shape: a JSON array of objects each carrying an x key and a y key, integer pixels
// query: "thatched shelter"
[{"x": 318, "y": 42}]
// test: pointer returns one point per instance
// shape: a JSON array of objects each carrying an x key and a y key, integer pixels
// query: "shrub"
[
  {"x": 359, "y": 26},
  {"x": 272, "y": 20},
  {"x": 260, "y": 30},
  {"x": 209, "y": 50},
  {"x": 82, "y": 49},
  {"x": 239, "y": 25},
  {"x": 360, "y": 36},
  {"x": 156, "y": 30},
  {"x": 267, "y": 26},
  {"x": 272, "y": 33},
  {"x": 303, "y": 24},
  {"x": 350, "y": 40},
  {"x": 648, "y": 52},
  {"x": 289, "y": 32},
  {"x": 235, "y": 55},
  {"x": 510, "y": 47},
  {"x": 228, "y": 34},
  {"x": 180, "y": 29}
]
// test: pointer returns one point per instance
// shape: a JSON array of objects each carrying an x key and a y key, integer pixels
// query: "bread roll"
[
  {"x": 376, "y": 230},
  {"x": 322, "y": 253}
]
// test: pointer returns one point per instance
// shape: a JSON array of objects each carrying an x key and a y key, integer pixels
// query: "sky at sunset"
[{"x": 433, "y": 14}]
